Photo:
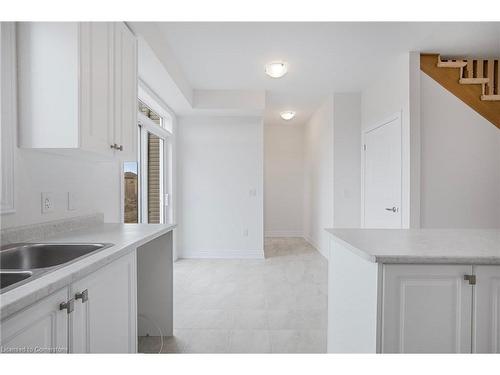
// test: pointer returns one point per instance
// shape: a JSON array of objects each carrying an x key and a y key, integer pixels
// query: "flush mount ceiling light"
[
  {"x": 287, "y": 115},
  {"x": 276, "y": 69}
]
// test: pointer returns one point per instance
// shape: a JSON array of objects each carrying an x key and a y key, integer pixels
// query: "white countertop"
[
  {"x": 125, "y": 237},
  {"x": 455, "y": 246}
]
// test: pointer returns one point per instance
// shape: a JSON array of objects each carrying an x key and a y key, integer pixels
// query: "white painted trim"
[
  {"x": 222, "y": 254},
  {"x": 395, "y": 116},
  {"x": 8, "y": 115},
  {"x": 153, "y": 101},
  {"x": 311, "y": 242},
  {"x": 283, "y": 233},
  {"x": 415, "y": 141}
]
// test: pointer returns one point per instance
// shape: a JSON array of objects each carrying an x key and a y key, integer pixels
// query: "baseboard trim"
[
  {"x": 283, "y": 233},
  {"x": 222, "y": 254},
  {"x": 315, "y": 245}
]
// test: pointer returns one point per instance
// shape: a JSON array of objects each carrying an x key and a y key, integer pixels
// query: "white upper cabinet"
[
  {"x": 125, "y": 80},
  {"x": 76, "y": 84}
]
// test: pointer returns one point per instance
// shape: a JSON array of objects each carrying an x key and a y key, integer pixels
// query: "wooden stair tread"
[
  {"x": 451, "y": 64},
  {"x": 473, "y": 81},
  {"x": 471, "y": 95},
  {"x": 490, "y": 97}
]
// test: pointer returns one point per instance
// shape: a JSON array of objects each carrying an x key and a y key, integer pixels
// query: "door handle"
[{"x": 393, "y": 209}]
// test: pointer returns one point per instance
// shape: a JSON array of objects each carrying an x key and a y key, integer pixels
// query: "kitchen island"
[{"x": 415, "y": 290}]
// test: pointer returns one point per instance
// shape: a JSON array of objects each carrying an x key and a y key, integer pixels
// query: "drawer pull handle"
[
  {"x": 68, "y": 306},
  {"x": 471, "y": 279},
  {"x": 84, "y": 296}
]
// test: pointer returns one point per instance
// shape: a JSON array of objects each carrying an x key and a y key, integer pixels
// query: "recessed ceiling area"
[{"x": 322, "y": 57}]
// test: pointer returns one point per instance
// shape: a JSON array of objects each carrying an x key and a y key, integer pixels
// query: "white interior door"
[{"x": 382, "y": 175}]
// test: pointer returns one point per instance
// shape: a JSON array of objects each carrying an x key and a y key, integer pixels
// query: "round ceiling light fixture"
[
  {"x": 287, "y": 115},
  {"x": 276, "y": 69}
]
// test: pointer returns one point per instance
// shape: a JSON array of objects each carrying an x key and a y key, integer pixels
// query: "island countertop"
[{"x": 452, "y": 246}]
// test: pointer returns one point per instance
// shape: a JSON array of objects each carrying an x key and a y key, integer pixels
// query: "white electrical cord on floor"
[{"x": 157, "y": 327}]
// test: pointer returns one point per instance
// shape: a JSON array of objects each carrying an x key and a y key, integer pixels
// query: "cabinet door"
[
  {"x": 40, "y": 328},
  {"x": 487, "y": 309},
  {"x": 107, "y": 321},
  {"x": 126, "y": 92},
  {"x": 426, "y": 309},
  {"x": 96, "y": 87}
]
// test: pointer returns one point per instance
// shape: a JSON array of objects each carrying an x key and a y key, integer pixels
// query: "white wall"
[
  {"x": 318, "y": 187},
  {"x": 220, "y": 184},
  {"x": 96, "y": 184},
  {"x": 460, "y": 162},
  {"x": 283, "y": 180},
  {"x": 390, "y": 93},
  {"x": 332, "y": 172},
  {"x": 347, "y": 160}
]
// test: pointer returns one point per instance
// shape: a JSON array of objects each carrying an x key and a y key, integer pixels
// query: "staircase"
[{"x": 474, "y": 81}]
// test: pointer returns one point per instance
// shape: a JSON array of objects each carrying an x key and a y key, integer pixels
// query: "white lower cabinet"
[
  {"x": 40, "y": 328},
  {"x": 426, "y": 309},
  {"x": 101, "y": 318},
  {"x": 486, "y": 327},
  {"x": 410, "y": 308},
  {"x": 105, "y": 317},
  {"x": 435, "y": 309}
]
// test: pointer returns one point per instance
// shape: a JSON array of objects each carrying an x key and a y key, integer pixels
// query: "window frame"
[{"x": 167, "y": 169}]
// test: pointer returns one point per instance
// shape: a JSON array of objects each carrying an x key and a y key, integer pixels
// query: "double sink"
[{"x": 20, "y": 263}]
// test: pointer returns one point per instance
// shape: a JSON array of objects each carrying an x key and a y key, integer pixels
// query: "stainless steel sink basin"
[
  {"x": 20, "y": 263},
  {"x": 43, "y": 255},
  {"x": 12, "y": 277}
]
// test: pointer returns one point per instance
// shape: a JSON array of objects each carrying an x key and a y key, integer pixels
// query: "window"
[
  {"x": 131, "y": 191},
  {"x": 149, "y": 113},
  {"x": 148, "y": 183}
]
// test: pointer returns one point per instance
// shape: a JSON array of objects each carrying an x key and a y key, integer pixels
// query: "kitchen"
[{"x": 256, "y": 203}]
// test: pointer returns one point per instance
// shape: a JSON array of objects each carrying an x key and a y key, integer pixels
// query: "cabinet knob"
[
  {"x": 84, "y": 296},
  {"x": 120, "y": 148},
  {"x": 113, "y": 145},
  {"x": 69, "y": 306}
]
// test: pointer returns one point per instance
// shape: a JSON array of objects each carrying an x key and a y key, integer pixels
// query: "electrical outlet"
[{"x": 47, "y": 203}]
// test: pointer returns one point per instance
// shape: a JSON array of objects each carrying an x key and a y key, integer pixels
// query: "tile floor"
[{"x": 276, "y": 305}]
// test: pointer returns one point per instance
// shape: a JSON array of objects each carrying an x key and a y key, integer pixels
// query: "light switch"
[{"x": 47, "y": 203}]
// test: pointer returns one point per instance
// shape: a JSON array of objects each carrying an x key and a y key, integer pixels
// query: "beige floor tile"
[
  {"x": 248, "y": 306},
  {"x": 204, "y": 340},
  {"x": 250, "y": 319},
  {"x": 249, "y": 341},
  {"x": 298, "y": 341},
  {"x": 203, "y": 319}
]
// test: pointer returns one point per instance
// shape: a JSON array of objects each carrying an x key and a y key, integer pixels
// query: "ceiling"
[{"x": 323, "y": 57}]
